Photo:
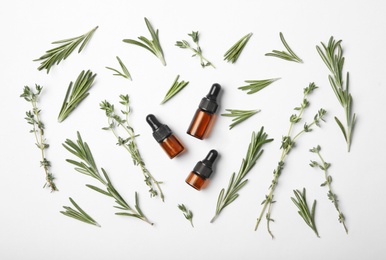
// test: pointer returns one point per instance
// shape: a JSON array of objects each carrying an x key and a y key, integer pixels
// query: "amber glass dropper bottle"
[
  {"x": 199, "y": 177},
  {"x": 205, "y": 115},
  {"x": 165, "y": 137}
]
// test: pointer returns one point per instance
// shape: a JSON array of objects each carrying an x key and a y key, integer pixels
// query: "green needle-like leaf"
[
  {"x": 234, "y": 52},
  {"x": 308, "y": 215},
  {"x": 125, "y": 72},
  {"x": 153, "y": 45},
  {"x": 76, "y": 93},
  {"x": 174, "y": 89},
  {"x": 239, "y": 115},
  {"x": 257, "y": 85},
  {"x": 289, "y": 56},
  {"x": 78, "y": 214},
  {"x": 187, "y": 213},
  {"x": 57, "y": 54}
]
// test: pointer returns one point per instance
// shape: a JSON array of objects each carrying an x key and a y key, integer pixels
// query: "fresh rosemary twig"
[
  {"x": 88, "y": 167},
  {"x": 239, "y": 115},
  {"x": 174, "y": 89},
  {"x": 125, "y": 72},
  {"x": 197, "y": 52},
  {"x": 287, "y": 143},
  {"x": 304, "y": 211},
  {"x": 187, "y": 213},
  {"x": 290, "y": 55},
  {"x": 76, "y": 94},
  {"x": 234, "y": 52},
  {"x": 129, "y": 143},
  {"x": 33, "y": 118},
  {"x": 323, "y": 165},
  {"x": 153, "y": 46},
  {"x": 78, "y": 214},
  {"x": 257, "y": 85},
  {"x": 57, "y": 54},
  {"x": 334, "y": 60},
  {"x": 254, "y": 152}
]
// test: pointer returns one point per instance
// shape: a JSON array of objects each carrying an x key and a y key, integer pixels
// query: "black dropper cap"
[
  {"x": 204, "y": 167},
  {"x": 160, "y": 131},
  {"x": 209, "y": 103}
]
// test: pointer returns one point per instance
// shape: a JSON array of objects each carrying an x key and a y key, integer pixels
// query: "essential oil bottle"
[
  {"x": 205, "y": 115},
  {"x": 165, "y": 137},
  {"x": 199, "y": 177}
]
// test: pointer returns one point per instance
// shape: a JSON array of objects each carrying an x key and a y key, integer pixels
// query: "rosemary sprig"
[
  {"x": 254, "y": 152},
  {"x": 289, "y": 56},
  {"x": 197, "y": 52},
  {"x": 257, "y": 85},
  {"x": 287, "y": 143},
  {"x": 304, "y": 211},
  {"x": 175, "y": 88},
  {"x": 187, "y": 213},
  {"x": 239, "y": 115},
  {"x": 88, "y": 167},
  {"x": 332, "y": 55},
  {"x": 128, "y": 142},
  {"x": 76, "y": 93},
  {"x": 33, "y": 118},
  {"x": 78, "y": 214},
  {"x": 59, "y": 53},
  {"x": 153, "y": 45},
  {"x": 125, "y": 72},
  {"x": 323, "y": 165},
  {"x": 234, "y": 52}
]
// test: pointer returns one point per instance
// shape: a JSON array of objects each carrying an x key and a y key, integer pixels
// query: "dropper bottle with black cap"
[
  {"x": 199, "y": 177},
  {"x": 165, "y": 137},
  {"x": 205, "y": 115}
]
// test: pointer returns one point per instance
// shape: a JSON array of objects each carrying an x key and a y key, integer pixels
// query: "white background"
[{"x": 31, "y": 226}]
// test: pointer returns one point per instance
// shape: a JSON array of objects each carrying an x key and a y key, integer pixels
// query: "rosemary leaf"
[
  {"x": 234, "y": 52},
  {"x": 76, "y": 93},
  {"x": 257, "y": 85},
  {"x": 304, "y": 211},
  {"x": 289, "y": 56},
  {"x": 153, "y": 45},
  {"x": 187, "y": 213},
  {"x": 78, "y": 214},
  {"x": 236, "y": 182},
  {"x": 174, "y": 89},
  {"x": 88, "y": 166},
  {"x": 332, "y": 56},
  {"x": 239, "y": 115},
  {"x": 33, "y": 118},
  {"x": 125, "y": 72},
  {"x": 59, "y": 53}
]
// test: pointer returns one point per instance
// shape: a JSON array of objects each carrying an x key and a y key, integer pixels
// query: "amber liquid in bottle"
[
  {"x": 165, "y": 137},
  {"x": 199, "y": 177},
  {"x": 204, "y": 117}
]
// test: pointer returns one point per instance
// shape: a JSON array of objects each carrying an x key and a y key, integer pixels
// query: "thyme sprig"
[
  {"x": 183, "y": 44},
  {"x": 287, "y": 143},
  {"x": 59, "y": 53},
  {"x": 79, "y": 214},
  {"x": 33, "y": 118},
  {"x": 234, "y": 52},
  {"x": 257, "y": 85},
  {"x": 324, "y": 166},
  {"x": 304, "y": 211},
  {"x": 125, "y": 72},
  {"x": 239, "y": 115},
  {"x": 114, "y": 121},
  {"x": 88, "y": 167},
  {"x": 154, "y": 45},
  {"x": 175, "y": 88},
  {"x": 187, "y": 213},
  {"x": 289, "y": 56},
  {"x": 332, "y": 55},
  {"x": 76, "y": 93},
  {"x": 238, "y": 181}
]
